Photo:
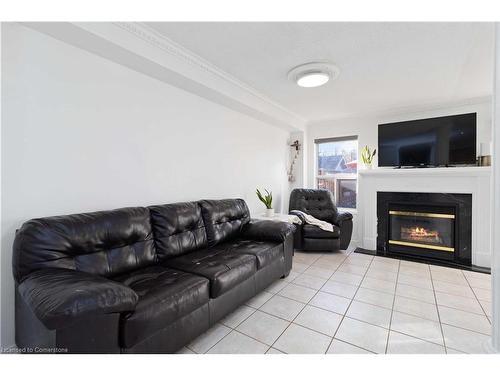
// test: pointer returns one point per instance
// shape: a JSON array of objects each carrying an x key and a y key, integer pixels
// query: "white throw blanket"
[{"x": 316, "y": 222}]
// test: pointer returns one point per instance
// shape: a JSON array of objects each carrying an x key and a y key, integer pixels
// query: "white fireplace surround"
[{"x": 468, "y": 180}]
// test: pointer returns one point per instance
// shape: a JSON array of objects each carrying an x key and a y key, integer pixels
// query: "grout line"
[
  {"x": 336, "y": 268},
  {"x": 378, "y": 290},
  {"x": 466, "y": 329},
  {"x": 418, "y": 338},
  {"x": 345, "y": 342},
  {"x": 267, "y": 352},
  {"x": 437, "y": 304},
  {"x": 255, "y": 310},
  {"x": 253, "y": 338},
  {"x": 334, "y": 312},
  {"x": 347, "y": 309},
  {"x": 353, "y": 299},
  {"x": 307, "y": 304},
  {"x": 274, "y": 316},
  {"x": 438, "y": 314},
  {"x": 477, "y": 299},
  {"x": 206, "y": 351},
  {"x": 392, "y": 309},
  {"x": 248, "y": 317},
  {"x": 270, "y": 346},
  {"x": 462, "y": 310}
]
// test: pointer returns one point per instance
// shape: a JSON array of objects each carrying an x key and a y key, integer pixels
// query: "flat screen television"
[{"x": 433, "y": 142}]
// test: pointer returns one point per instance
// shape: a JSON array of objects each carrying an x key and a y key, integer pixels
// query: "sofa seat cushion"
[
  {"x": 224, "y": 268},
  {"x": 165, "y": 295},
  {"x": 312, "y": 231},
  {"x": 266, "y": 252}
]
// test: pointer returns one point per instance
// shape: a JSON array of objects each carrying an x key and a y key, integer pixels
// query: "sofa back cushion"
[
  {"x": 102, "y": 243},
  {"x": 224, "y": 218},
  {"x": 178, "y": 229}
]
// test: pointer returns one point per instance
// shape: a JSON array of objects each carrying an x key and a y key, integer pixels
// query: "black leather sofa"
[
  {"x": 143, "y": 279},
  {"x": 319, "y": 203}
]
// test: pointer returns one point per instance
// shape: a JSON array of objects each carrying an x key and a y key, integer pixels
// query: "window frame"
[{"x": 319, "y": 141}]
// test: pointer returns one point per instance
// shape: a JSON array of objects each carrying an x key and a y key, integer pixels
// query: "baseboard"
[
  {"x": 360, "y": 250},
  {"x": 482, "y": 260},
  {"x": 354, "y": 243},
  {"x": 370, "y": 243}
]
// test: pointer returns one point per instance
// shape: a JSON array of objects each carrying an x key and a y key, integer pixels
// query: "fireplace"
[
  {"x": 416, "y": 229},
  {"x": 427, "y": 226}
]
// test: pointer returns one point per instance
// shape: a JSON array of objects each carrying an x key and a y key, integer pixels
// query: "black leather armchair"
[{"x": 319, "y": 203}]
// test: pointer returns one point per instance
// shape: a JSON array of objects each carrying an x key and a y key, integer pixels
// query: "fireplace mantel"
[
  {"x": 451, "y": 171},
  {"x": 469, "y": 180}
]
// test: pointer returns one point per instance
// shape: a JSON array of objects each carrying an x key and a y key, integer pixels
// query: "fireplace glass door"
[{"x": 421, "y": 231}]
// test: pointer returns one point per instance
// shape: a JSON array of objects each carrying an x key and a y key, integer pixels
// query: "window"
[{"x": 337, "y": 168}]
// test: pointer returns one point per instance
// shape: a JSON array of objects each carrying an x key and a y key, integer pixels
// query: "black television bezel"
[{"x": 423, "y": 165}]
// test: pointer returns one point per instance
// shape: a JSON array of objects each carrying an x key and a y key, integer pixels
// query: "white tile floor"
[{"x": 345, "y": 302}]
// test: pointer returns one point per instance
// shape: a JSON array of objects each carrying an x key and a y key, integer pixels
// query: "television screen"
[{"x": 439, "y": 141}]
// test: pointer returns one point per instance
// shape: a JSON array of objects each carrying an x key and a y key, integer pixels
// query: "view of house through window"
[{"x": 337, "y": 167}]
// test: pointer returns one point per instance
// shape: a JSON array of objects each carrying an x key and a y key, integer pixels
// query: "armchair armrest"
[
  {"x": 341, "y": 217},
  {"x": 344, "y": 221},
  {"x": 267, "y": 230},
  {"x": 59, "y": 296},
  {"x": 299, "y": 214}
]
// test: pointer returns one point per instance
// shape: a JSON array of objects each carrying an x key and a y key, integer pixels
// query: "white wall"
[
  {"x": 366, "y": 128},
  {"x": 80, "y": 133}
]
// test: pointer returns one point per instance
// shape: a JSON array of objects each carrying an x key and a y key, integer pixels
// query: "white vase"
[
  {"x": 368, "y": 166},
  {"x": 269, "y": 212}
]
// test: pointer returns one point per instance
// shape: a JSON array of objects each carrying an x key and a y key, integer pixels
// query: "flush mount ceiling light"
[{"x": 313, "y": 74}]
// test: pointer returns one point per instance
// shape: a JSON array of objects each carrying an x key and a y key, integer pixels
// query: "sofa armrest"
[
  {"x": 267, "y": 230},
  {"x": 59, "y": 296}
]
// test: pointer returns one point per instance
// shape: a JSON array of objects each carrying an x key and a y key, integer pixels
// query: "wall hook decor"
[{"x": 296, "y": 146}]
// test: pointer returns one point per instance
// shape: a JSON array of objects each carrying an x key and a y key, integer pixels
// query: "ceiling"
[{"x": 384, "y": 66}]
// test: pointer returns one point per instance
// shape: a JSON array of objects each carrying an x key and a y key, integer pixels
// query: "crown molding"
[
  {"x": 143, "y": 49},
  {"x": 166, "y": 44},
  {"x": 406, "y": 110}
]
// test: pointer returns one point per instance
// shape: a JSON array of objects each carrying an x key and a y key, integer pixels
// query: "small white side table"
[{"x": 291, "y": 219}]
